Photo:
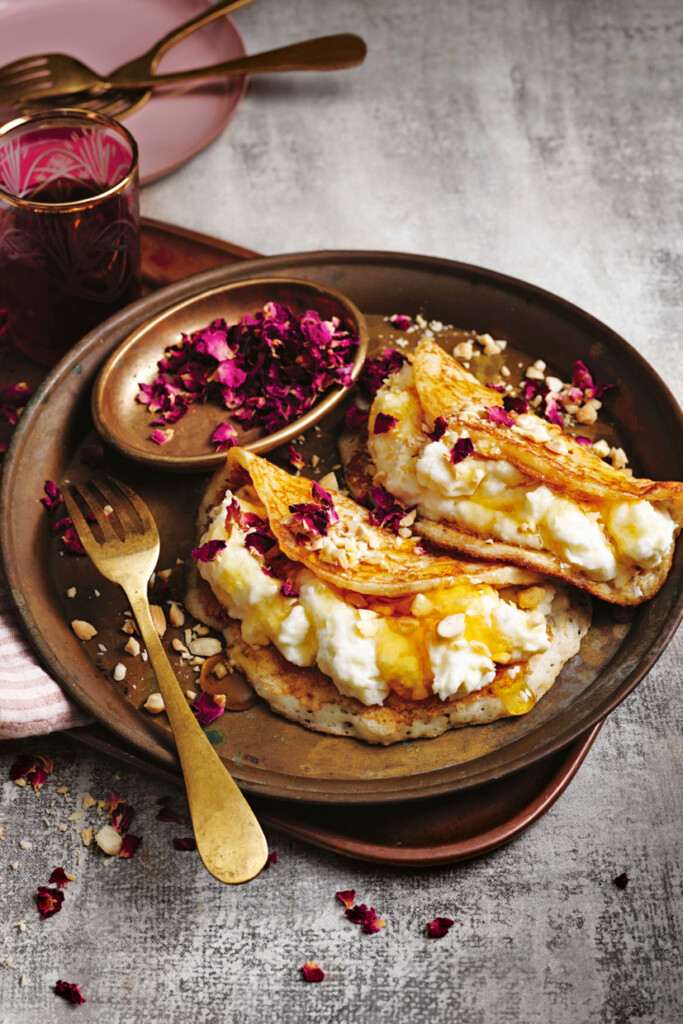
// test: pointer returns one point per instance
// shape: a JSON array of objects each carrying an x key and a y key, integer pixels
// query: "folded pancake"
[
  {"x": 502, "y": 484},
  {"x": 354, "y": 630}
]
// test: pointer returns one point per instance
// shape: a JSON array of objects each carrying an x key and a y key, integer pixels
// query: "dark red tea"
[{"x": 69, "y": 230}]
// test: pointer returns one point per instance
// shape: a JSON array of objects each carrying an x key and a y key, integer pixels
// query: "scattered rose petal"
[
  {"x": 514, "y": 403},
  {"x": 366, "y": 917},
  {"x": 224, "y": 437},
  {"x": 287, "y": 589},
  {"x": 387, "y": 512},
  {"x": 129, "y": 845},
  {"x": 384, "y": 423},
  {"x": 295, "y": 457},
  {"x": 500, "y": 388},
  {"x": 209, "y": 551},
  {"x": 160, "y": 436},
  {"x": 13, "y": 398},
  {"x": 53, "y": 495},
  {"x": 437, "y": 928},
  {"x": 460, "y": 450},
  {"x": 205, "y": 708},
  {"x": 59, "y": 877},
  {"x": 374, "y": 371},
  {"x": 580, "y": 439},
  {"x": 316, "y": 517},
  {"x": 621, "y": 881},
  {"x": 166, "y": 812},
  {"x": 72, "y": 542},
  {"x": 400, "y": 321},
  {"x": 312, "y": 972},
  {"x": 271, "y": 859},
  {"x": 92, "y": 455},
  {"x": 347, "y": 897},
  {"x": 498, "y": 415},
  {"x": 356, "y": 418},
  {"x": 186, "y": 843},
  {"x": 70, "y": 991},
  {"x": 553, "y": 409},
  {"x": 583, "y": 380},
  {"x": 49, "y": 901},
  {"x": 35, "y": 768},
  {"x": 439, "y": 429}
]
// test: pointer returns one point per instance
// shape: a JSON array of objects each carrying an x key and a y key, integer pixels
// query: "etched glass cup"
[{"x": 69, "y": 227}]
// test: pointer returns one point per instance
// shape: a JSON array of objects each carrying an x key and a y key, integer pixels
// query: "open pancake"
[
  {"x": 500, "y": 483},
  {"x": 354, "y": 630}
]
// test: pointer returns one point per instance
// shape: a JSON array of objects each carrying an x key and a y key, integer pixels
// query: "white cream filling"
[
  {"x": 490, "y": 496},
  {"x": 319, "y": 627}
]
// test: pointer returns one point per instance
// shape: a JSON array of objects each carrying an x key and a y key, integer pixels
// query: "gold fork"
[
  {"x": 229, "y": 838},
  {"x": 64, "y": 75},
  {"x": 35, "y": 67}
]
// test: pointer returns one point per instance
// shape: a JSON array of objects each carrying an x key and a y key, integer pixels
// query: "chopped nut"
[
  {"x": 464, "y": 350},
  {"x": 129, "y": 627},
  {"x": 158, "y": 618},
  {"x": 176, "y": 616},
  {"x": 26, "y": 844},
  {"x": 86, "y": 836},
  {"x": 201, "y": 630},
  {"x": 83, "y": 630},
  {"x": 559, "y": 445},
  {"x": 618, "y": 457},
  {"x": 220, "y": 670},
  {"x": 530, "y": 598},
  {"x": 191, "y": 694},
  {"x": 206, "y": 647},
  {"x": 601, "y": 448},
  {"x": 219, "y": 699},
  {"x": 132, "y": 647},
  {"x": 88, "y": 801},
  {"x": 71, "y": 592},
  {"x": 554, "y": 384},
  {"x": 164, "y": 574},
  {"x": 533, "y": 373},
  {"x": 329, "y": 482},
  {"x": 587, "y": 414},
  {"x": 315, "y": 460},
  {"x": 108, "y": 840},
  {"x": 452, "y": 626},
  {"x": 154, "y": 703},
  {"x": 119, "y": 672}
]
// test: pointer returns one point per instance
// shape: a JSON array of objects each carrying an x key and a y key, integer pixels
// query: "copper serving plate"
[{"x": 268, "y": 755}]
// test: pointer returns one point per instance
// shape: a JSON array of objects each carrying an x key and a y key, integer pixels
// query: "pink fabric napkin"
[{"x": 31, "y": 702}]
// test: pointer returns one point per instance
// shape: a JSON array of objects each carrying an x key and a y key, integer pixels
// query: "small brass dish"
[{"x": 126, "y": 424}]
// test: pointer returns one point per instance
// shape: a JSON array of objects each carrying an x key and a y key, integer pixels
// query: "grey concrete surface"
[{"x": 541, "y": 138}]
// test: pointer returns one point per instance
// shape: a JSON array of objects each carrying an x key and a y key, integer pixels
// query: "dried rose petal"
[
  {"x": 122, "y": 818},
  {"x": 224, "y": 437},
  {"x": 33, "y": 767},
  {"x": 209, "y": 551},
  {"x": 439, "y": 429},
  {"x": 71, "y": 542},
  {"x": 374, "y": 371},
  {"x": 387, "y": 512},
  {"x": 384, "y": 423},
  {"x": 205, "y": 708},
  {"x": 187, "y": 843},
  {"x": 552, "y": 409},
  {"x": 70, "y": 991},
  {"x": 316, "y": 517},
  {"x": 437, "y": 928},
  {"x": 500, "y": 388},
  {"x": 366, "y": 917},
  {"x": 159, "y": 437},
  {"x": 92, "y": 455},
  {"x": 258, "y": 541},
  {"x": 59, "y": 877},
  {"x": 129, "y": 845},
  {"x": 356, "y": 418},
  {"x": 621, "y": 881},
  {"x": 295, "y": 457},
  {"x": 347, "y": 897},
  {"x": 583, "y": 380},
  {"x": 271, "y": 859},
  {"x": 13, "y": 398},
  {"x": 287, "y": 589},
  {"x": 516, "y": 404},
  {"x": 49, "y": 901},
  {"x": 498, "y": 415},
  {"x": 580, "y": 439},
  {"x": 113, "y": 801},
  {"x": 400, "y": 321},
  {"x": 312, "y": 972},
  {"x": 53, "y": 495},
  {"x": 460, "y": 450}
]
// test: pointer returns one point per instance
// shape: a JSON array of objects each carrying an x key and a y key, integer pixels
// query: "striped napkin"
[{"x": 31, "y": 702}]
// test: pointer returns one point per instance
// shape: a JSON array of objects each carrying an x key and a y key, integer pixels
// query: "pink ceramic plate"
[{"x": 173, "y": 126}]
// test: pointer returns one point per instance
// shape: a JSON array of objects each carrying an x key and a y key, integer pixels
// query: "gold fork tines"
[{"x": 229, "y": 838}]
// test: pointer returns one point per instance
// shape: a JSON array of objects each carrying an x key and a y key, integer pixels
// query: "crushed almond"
[
  {"x": 128, "y": 627},
  {"x": 83, "y": 630},
  {"x": 108, "y": 840},
  {"x": 205, "y": 647},
  {"x": 158, "y": 619},
  {"x": 132, "y": 647},
  {"x": 154, "y": 704},
  {"x": 119, "y": 672},
  {"x": 176, "y": 615}
]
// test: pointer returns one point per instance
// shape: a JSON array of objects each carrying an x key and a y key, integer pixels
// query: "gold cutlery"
[
  {"x": 32, "y": 68},
  {"x": 62, "y": 75},
  {"x": 229, "y": 838}
]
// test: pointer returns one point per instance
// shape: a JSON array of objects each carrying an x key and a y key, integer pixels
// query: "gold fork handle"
[
  {"x": 229, "y": 838},
  {"x": 326, "y": 53},
  {"x": 151, "y": 56}
]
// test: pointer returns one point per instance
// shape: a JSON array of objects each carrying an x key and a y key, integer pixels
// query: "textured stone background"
[{"x": 541, "y": 138}]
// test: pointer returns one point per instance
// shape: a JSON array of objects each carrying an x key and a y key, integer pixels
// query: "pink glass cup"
[{"x": 69, "y": 227}]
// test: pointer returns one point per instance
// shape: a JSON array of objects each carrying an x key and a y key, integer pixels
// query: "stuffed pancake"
[
  {"x": 355, "y": 630},
  {"x": 490, "y": 478}
]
